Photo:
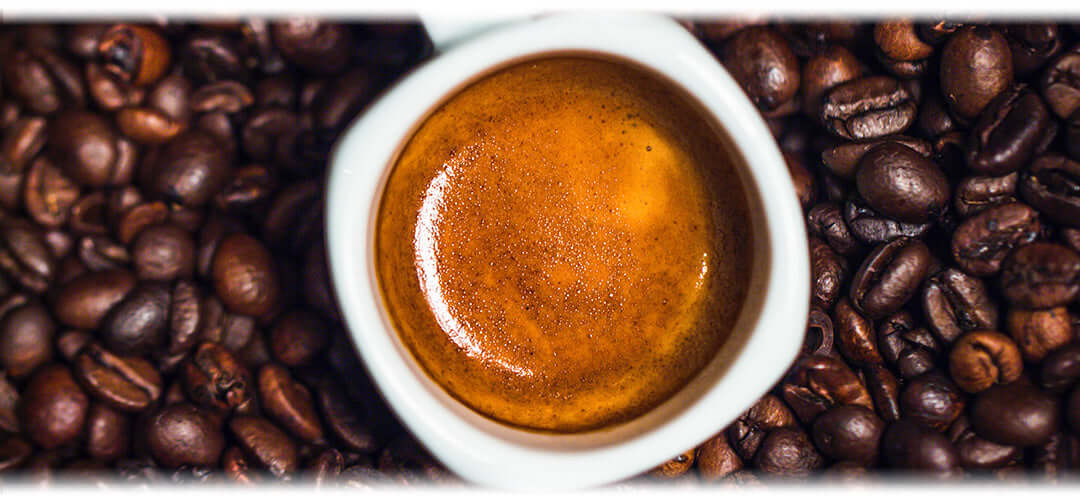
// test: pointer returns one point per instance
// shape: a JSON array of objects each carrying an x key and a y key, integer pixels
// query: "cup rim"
[{"x": 493, "y": 454}]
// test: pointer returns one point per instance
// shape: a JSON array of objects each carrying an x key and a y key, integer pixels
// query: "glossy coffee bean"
[
  {"x": 976, "y": 66},
  {"x": 163, "y": 253},
  {"x": 1037, "y": 332},
  {"x": 9, "y": 403},
  {"x": 136, "y": 54},
  {"x": 273, "y": 449},
  {"x": 817, "y": 383},
  {"x": 298, "y": 337},
  {"x": 107, "y": 433},
  {"x": 898, "y": 182},
  {"x": 843, "y": 159},
  {"x": 26, "y": 339},
  {"x": 826, "y": 221},
  {"x": 982, "y": 358},
  {"x": 215, "y": 379},
  {"x": 855, "y": 336},
  {"x": 129, "y": 384},
  {"x": 289, "y": 403},
  {"x": 954, "y": 303},
  {"x": 182, "y": 434},
  {"x": 83, "y": 302},
  {"x": 788, "y": 452},
  {"x": 1060, "y": 369},
  {"x": 977, "y": 453},
  {"x": 884, "y": 390},
  {"x": 976, "y": 194},
  {"x": 746, "y": 433},
  {"x": 828, "y": 273},
  {"x": 849, "y": 433},
  {"x": 1052, "y": 184},
  {"x": 981, "y": 243},
  {"x": 84, "y": 145},
  {"x": 676, "y": 467},
  {"x": 53, "y": 408},
  {"x": 1017, "y": 414},
  {"x": 1013, "y": 129},
  {"x": 824, "y": 70},
  {"x": 762, "y": 62},
  {"x": 245, "y": 275},
  {"x": 1058, "y": 83},
  {"x": 932, "y": 400},
  {"x": 137, "y": 324},
  {"x": 314, "y": 45},
  {"x": 25, "y": 257},
  {"x": 716, "y": 459},
  {"x": 873, "y": 228},
  {"x": 1041, "y": 276},
  {"x": 898, "y": 40},
  {"x": 912, "y": 447},
  {"x": 190, "y": 169},
  {"x": 819, "y": 338},
  {"x": 889, "y": 277},
  {"x": 868, "y": 108}
]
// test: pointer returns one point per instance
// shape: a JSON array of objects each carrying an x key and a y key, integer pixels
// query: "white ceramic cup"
[{"x": 765, "y": 339}]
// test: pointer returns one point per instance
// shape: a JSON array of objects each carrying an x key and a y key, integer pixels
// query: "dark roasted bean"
[
  {"x": 954, "y": 303},
  {"x": 873, "y": 228},
  {"x": 746, "y": 433},
  {"x": 900, "y": 183},
  {"x": 1059, "y": 83},
  {"x": 716, "y": 459},
  {"x": 289, "y": 403},
  {"x": 975, "y": 194},
  {"x": 981, "y": 243},
  {"x": 788, "y": 452},
  {"x": 1018, "y": 414},
  {"x": 128, "y": 384},
  {"x": 910, "y": 446},
  {"x": 269, "y": 445},
  {"x": 889, "y": 277},
  {"x": 182, "y": 434},
  {"x": 868, "y": 108},
  {"x": 52, "y": 409},
  {"x": 213, "y": 378},
  {"x": 817, "y": 383},
  {"x": 1052, "y": 185},
  {"x": 884, "y": 389},
  {"x": 761, "y": 60},
  {"x": 976, "y": 66},
  {"x": 1061, "y": 368},
  {"x": 977, "y": 453},
  {"x": 1013, "y": 129}
]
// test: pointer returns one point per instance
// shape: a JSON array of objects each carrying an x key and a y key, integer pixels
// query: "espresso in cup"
[{"x": 563, "y": 244}]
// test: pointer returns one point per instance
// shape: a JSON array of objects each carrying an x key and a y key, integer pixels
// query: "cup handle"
[{"x": 448, "y": 29}]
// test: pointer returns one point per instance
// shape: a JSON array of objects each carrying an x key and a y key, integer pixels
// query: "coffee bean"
[
  {"x": 84, "y": 301},
  {"x": 185, "y": 317},
  {"x": 107, "y": 432},
  {"x": 898, "y": 40},
  {"x": 298, "y": 337},
  {"x": 873, "y": 228},
  {"x": 128, "y": 384},
  {"x": 21, "y": 142},
  {"x": 26, "y": 336},
  {"x": 88, "y": 215},
  {"x": 9, "y": 402},
  {"x": 1041, "y": 276},
  {"x": 824, "y": 70},
  {"x": 138, "y": 324},
  {"x": 884, "y": 390},
  {"x": 889, "y": 277},
  {"x": 843, "y": 158},
  {"x": 817, "y": 383},
  {"x": 14, "y": 451},
  {"x": 855, "y": 336},
  {"x": 1017, "y": 414},
  {"x": 954, "y": 303},
  {"x": 849, "y": 433},
  {"x": 42, "y": 80},
  {"x": 181, "y": 434},
  {"x": 1057, "y": 457},
  {"x": 1058, "y": 84},
  {"x": 249, "y": 190},
  {"x": 245, "y": 275},
  {"x": 52, "y": 409},
  {"x": 224, "y": 96},
  {"x": 1052, "y": 185},
  {"x": 676, "y": 467},
  {"x": 1032, "y": 45},
  {"x": 976, "y": 66},
  {"x": 345, "y": 419},
  {"x": 191, "y": 169},
  {"x": 1037, "y": 332},
  {"x": 788, "y": 452},
  {"x": 1061, "y": 368},
  {"x": 237, "y": 467},
  {"x": 932, "y": 400},
  {"x": 314, "y": 45},
  {"x": 134, "y": 53},
  {"x": 24, "y": 254},
  {"x": 825, "y": 220},
  {"x": 868, "y": 108},
  {"x": 716, "y": 459},
  {"x": 975, "y": 194},
  {"x": 819, "y": 333},
  {"x": 746, "y": 433},
  {"x": 164, "y": 252},
  {"x": 268, "y": 444},
  {"x": 1010, "y": 132},
  {"x": 977, "y": 453},
  {"x": 762, "y": 62},
  {"x": 289, "y": 403},
  {"x": 84, "y": 145},
  {"x": 981, "y": 243},
  {"x": 214, "y": 379},
  {"x": 898, "y": 182},
  {"x": 910, "y": 446},
  {"x": 983, "y": 358},
  {"x": 934, "y": 119},
  {"x": 147, "y": 125}
]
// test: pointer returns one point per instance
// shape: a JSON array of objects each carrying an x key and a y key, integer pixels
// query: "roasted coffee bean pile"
[
  {"x": 166, "y": 312},
  {"x": 938, "y": 166}
]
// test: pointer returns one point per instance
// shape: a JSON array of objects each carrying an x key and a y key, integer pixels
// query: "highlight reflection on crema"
[{"x": 563, "y": 244}]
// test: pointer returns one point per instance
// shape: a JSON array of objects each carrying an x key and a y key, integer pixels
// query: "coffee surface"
[{"x": 564, "y": 244}]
